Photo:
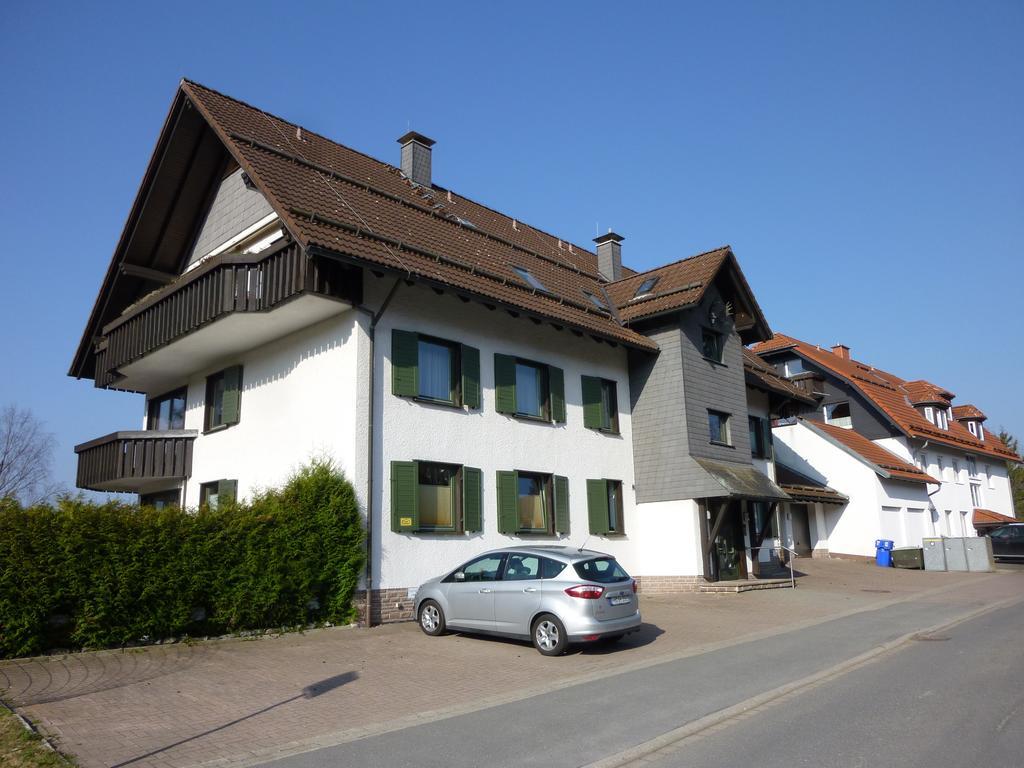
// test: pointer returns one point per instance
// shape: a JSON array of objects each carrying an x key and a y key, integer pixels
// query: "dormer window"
[
  {"x": 941, "y": 418},
  {"x": 792, "y": 367},
  {"x": 973, "y": 426}
]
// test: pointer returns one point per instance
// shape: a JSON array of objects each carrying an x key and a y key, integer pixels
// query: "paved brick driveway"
[{"x": 239, "y": 702}]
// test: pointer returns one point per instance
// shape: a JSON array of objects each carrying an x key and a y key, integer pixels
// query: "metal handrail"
[{"x": 792, "y": 578}]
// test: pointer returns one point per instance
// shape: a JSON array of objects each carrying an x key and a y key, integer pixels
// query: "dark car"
[{"x": 1008, "y": 541}]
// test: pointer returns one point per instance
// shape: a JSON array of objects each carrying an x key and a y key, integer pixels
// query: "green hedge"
[{"x": 85, "y": 575}]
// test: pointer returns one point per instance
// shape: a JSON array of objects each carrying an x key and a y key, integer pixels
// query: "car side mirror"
[{"x": 460, "y": 576}]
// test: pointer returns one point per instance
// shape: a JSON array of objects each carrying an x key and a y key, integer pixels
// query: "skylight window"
[
  {"x": 596, "y": 301},
  {"x": 645, "y": 287},
  {"x": 530, "y": 279}
]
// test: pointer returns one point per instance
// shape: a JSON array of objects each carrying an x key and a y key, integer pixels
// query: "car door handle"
[
  {"x": 485, "y": 591},
  {"x": 529, "y": 589}
]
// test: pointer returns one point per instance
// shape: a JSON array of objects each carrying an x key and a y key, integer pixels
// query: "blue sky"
[{"x": 864, "y": 160}]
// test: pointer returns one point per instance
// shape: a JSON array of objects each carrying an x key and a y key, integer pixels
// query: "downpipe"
[{"x": 370, "y": 444}]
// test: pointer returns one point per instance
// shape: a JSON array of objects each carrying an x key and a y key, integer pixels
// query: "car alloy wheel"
[
  {"x": 431, "y": 618},
  {"x": 549, "y": 635}
]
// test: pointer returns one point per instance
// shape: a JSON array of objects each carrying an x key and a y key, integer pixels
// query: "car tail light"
[
  {"x": 634, "y": 586},
  {"x": 585, "y": 591}
]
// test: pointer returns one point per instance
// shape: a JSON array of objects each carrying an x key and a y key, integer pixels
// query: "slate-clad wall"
[
  {"x": 659, "y": 419},
  {"x": 233, "y": 209},
  {"x": 709, "y": 385}
]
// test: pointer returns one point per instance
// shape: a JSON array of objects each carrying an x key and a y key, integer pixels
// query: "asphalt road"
[
  {"x": 932, "y": 702},
  {"x": 954, "y": 700}
]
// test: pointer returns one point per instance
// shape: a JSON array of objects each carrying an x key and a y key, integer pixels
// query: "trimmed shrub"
[{"x": 85, "y": 575}]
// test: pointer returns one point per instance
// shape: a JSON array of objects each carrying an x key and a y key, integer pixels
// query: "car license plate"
[{"x": 620, "y": 600}]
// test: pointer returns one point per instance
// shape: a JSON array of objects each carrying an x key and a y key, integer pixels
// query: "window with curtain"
[
  {"x": 532, "y": 507},
  {"x": 531, "y": 398},
  {"x": 436, "y": 489},
  {"x": 436, "y": 370}
]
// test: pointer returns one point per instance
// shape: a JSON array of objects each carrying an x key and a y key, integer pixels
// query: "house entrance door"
[
  {"x": 799, "y": 529},
  {"x": 730, "y": 555}
]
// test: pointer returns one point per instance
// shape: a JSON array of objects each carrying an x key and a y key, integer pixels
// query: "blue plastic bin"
[{"x": 883, "y": 552}]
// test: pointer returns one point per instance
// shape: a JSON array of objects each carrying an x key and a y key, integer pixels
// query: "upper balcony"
[
  {"x": 225, "y": 306},
  {"x": 135, "y": 462}
]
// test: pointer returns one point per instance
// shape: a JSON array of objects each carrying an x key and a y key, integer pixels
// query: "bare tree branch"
[{"x": 26, "y": 455}]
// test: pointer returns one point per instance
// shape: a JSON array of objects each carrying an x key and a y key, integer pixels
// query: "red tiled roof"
[
  {"x": 985, "y": 517},
  {"x": 767, "y": 377},
  {"x": 898, "y": 468},
  {"x": 340, "y": 200},
  {"x": 924, "y": 392},
  {"x": 890, "y": 394},
  {"x": 961, "y": 412}
]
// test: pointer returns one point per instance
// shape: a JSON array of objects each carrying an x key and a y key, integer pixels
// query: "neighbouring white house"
[
  {"x": 911, "y": 463},
  {"x": 276, "y": 296}
]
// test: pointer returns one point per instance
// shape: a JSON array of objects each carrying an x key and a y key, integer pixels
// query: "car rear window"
[
  {"x": 603, "y": 570},
  {"x": 550, "y": 568}
]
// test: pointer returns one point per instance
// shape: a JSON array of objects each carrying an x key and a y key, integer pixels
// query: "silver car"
[{"x": 551, "y": 595}]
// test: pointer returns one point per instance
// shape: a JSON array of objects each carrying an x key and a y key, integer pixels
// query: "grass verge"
[{"x": 20, "y": 748}]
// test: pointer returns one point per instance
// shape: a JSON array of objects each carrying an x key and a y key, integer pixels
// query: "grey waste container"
[
  {"x": 956, "y": 555},
  {"x": 934, "y": 554},
  {"x": 979, "y": 553}
]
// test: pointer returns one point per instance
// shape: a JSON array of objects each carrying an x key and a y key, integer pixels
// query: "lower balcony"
[{"x": 135, "y": 462}]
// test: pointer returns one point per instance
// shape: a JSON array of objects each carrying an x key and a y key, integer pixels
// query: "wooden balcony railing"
[
  {"x": 219, "y": 287},
  {"x": 132, "y": 461}
]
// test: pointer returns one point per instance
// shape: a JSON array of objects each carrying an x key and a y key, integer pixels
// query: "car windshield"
[{"x": 603, "y": 570}]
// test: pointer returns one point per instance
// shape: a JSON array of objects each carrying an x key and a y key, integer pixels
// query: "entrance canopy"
[{"x": 740, "y": 481}]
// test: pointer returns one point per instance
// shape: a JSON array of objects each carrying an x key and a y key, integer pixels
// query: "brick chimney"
[
  {"x": 609, "y": 255},
  {"x": 416, "y": 157},
  {"x": 841, "y": 350}
]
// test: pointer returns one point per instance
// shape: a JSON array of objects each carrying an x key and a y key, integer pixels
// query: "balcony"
[
  {"x": 223, "y": 307},
  {"x": 135, "y": 462}
]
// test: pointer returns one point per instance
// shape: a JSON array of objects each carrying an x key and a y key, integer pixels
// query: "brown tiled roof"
[
  {"x": 340, "y": 200},
  {"x": 761, "y": 374},
  {"x": 961, "y": 412},
  {"x": 889, "y": 394},
  {"x": 680, "y": 285},
  {"x": 986, "y": 517},
  {"x": 898, "y": 468},
  {"x": 802, "y": 488}
]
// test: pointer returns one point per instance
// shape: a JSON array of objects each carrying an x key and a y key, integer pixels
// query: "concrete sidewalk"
[{"x": 241, "y": 702}]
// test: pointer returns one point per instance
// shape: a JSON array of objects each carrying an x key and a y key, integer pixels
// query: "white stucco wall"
[
  {"x": 492, "y": 441},
  {"x": 952, "y": 498},
  {"x": 853, "y": 528},
  {"x": 300, "y": 398}
]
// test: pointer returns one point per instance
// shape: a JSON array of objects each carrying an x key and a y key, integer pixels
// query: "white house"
[
  {"x": 912, "y": 464},
  {"x": 277, "y": 296}
]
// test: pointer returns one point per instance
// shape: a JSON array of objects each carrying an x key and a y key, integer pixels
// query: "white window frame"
[
  {"x": 956, "y": 473},
  {"x": 929, "y": 413},
  {"x": 991, "y": 481},
  {"x": 976, "y": 498}
]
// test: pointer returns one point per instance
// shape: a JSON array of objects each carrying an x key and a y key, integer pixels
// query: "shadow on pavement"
[{"x": 309, "y": 692}]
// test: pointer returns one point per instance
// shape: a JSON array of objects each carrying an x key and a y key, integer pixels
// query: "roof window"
[
  {"x": 645, "y": 287},
  {"x": 596, "y": 301},
  {"x": 530, "y": 279}
]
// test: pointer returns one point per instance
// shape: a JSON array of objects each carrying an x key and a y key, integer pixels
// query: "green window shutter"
[
  {"x": 227, "y": 491},
  {"x": 561, "y": 504},
  {"x": 472, "y": 499},
  {"x": 556, "y": 382},
  {"x": 404, "y": 496},
  {"x": 504, "y": 384},
  {"x": 591, "y": 402},
  {"x": 405, "y": 353},
  {"x": 470, "y": 376},
  {"x": 508, "y": 501},
  {"x": 769, "y": 441},
  {"x": 597, "y": 506},
  {"x": 232, "y": 402}
]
